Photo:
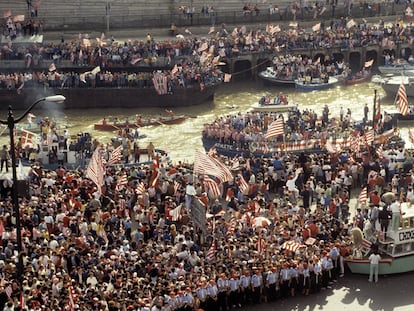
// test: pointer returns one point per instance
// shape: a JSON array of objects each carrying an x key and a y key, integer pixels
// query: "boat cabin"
[{"x": 401, "y": 242}]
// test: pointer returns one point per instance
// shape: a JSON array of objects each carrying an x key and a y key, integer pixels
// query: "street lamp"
[{"x": 11, "y": 122}]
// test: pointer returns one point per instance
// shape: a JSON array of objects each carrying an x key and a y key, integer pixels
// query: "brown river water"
[{"x": 181, "y": 140}]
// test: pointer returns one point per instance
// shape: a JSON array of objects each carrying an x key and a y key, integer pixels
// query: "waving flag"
[
  {"x": 29, "y": 139},
  {"x": 401, "y": 100},
  {"x": 140, "y": 189},
  {"x": 95, "y": 170},
  {"x": 369, "y": 136},
  {"x": 363, "y": 196},
  {"x": 410, "y": 137},
  {"x": 211, "y": 252},
  {"x": 203, "y": 164},
  {"x": 243, "y": 185},
  {"x": 122, "y": 181},
  {"x": 213, "y": 186},
  {"x": 275, "y": 129},
  {"x": 52, "y": 67},
  {"x": 330, "y": 148},
  {"x": 116, "y": 156}
]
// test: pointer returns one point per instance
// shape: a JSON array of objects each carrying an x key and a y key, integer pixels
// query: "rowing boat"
[{"x": 105, "y": 126}]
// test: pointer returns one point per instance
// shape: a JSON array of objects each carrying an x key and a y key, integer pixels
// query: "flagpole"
[
  {"x": 374, "y": 110},
  {"x": 284, "y": 136}
]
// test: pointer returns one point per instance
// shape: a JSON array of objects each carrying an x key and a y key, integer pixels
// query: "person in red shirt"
[{"x": 375, "y": 197}]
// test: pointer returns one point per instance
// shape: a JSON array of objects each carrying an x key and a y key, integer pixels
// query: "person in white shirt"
[{"x": 374, "y": 260}]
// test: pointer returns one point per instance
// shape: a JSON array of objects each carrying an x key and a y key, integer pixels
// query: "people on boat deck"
[{"x": 281, "y": 99}]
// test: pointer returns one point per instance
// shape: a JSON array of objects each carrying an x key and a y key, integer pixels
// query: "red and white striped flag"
[
  {"x": 122, "y": 181},
  {"x": 363, "y": 196},
  {"x": 261, "y": 246},
  {"x": 232, "y": 225},
  {"x": 410, "y": 136},
  {"x": 95, "y": 170},
  {"x": 213, "y": 186},
  {"x": 243, "y": 185},
  {"x": 379, "y": 152},
  {"x": 160, "y": 82},
  {"x": 224, "y": 169},
  {"x": 401, "y": 100},
  {"x": 8, "y": 290},
  {"x": 203, "y": 164},
  {"x": 140, "y": 189},
  {"x": 177, "y": 187},
  {"x": 29, "y": 139},
  {"x": 369, "y": 136},
  {"x": 275, "y": 129},
  {"x": 211, "y": 253},
  {"x": 72, "y": 300},
  {"x": 116, "y": 156}
]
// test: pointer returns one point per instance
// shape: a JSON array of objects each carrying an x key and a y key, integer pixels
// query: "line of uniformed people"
[{"x": 255, "y": 286}]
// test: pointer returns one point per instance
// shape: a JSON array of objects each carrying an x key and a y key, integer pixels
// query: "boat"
[
  {"x": 396, "y": 251},
  {"x": 391, "y": 84},
  {"x": 315, "y": 84},
  {"x": 108, "y": 97},
  {"x": 273, "y": 107},
  {"x": 270, "y": 76},
  {"x": 356, "y": 79},
  {"x": 400, "y": 66},
  {"x": 106, "y": 126}
]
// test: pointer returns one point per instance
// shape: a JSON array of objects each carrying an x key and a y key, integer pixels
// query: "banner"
[{"x": 198, "y": 214}]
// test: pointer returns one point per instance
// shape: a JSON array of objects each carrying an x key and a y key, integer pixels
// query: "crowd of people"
[
  {"x": 275, "y": 228},
  {"x": 343, "y": 33}
]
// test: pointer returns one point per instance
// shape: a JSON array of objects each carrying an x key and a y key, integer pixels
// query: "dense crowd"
[
  {"x": 343, "y": 33},
  {"x": 276, "y": 228}
]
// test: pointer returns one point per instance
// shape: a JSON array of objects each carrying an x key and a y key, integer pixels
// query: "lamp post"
[{"x": 11, "y": 122}]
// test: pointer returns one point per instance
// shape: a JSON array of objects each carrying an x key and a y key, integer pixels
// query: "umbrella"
[
  {"x": 261, "y": 222},
  {"x": 388, "y": 197}
]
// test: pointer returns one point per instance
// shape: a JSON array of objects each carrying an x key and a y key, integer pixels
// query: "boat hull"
[
  {"x": 386, "y": 266},
  {"x": 273, "y": 108},
  {"x": 269, "y": 77},
  {"x": 315, "y": 86},
  {"x": 89, "y": 98},
  {"x": 161, "y": 121},
  {"x": 392, "y": 88},
  {"x": 357, "y": 80}
]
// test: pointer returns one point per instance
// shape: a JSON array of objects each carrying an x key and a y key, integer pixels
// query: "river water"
[{"x": 181, "y": 140}]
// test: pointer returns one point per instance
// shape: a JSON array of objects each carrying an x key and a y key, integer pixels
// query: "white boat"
[
  {"x": 274, "y": 107},
  {"x": 315, "y": 84},
  {"x": 400, "y": 66},
  {"x": 270, "y": 76},
  {"x": 396, "y": 251},
  {"x": 391, "y": 85}
]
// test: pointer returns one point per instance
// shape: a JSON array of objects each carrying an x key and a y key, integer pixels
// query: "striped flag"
[
  {"x": 122, "y": 181},
  {"x": 225, "y": 170},
  {"x": 160, "y": 82},
  {"x": 276, "y": 128},
  {"x": 410, "y": 136},
  {"x": 211, "y": 252},
  {"x": 401, "y": 100},
  {"x": 177, "y": 187},
  {"x": 243, "y": 185},
  {"x": 29, "y": 139},
  {"x": 72, "y": 300},
  {"x": 203, "y": 164},
  {"x": 116, "y": 156},
  {"x": 95, "y": 170},
  {"x": 213, "y": 186},
  {"x": 8, "y": 290},
  {"x": 363, "y": 196},
  {"x": 140, "y": 189},
  {"x": 379, "y": 152},
  {"x": 261, "y": 246},
  {"x": 369, "y": 136},
  {"x": 232, "y": 226}
]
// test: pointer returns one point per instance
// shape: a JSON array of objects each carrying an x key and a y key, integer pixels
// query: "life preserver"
[{"x": 253, "y": 147}]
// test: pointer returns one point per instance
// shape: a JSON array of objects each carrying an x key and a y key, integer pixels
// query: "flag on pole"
[
  {"x": 177, "y": 187},
  {"x": 122, "y": 181},
  {"x": 95, "y": 170},
  {"x": 140, "y": 189},
  {"x": 211, "y": 252},
  {"x": 243, "y": 185},
  {"x": 52, "y": 67},
  {"x": 275, "y": 129},
  {"x": 28, "y": 139},
  {"x": 363, "y": 196},
  {"x": 401, "y": 100},
  {"x": 369, "y": 136},
  {"x": 116, "y": 156},
  {"x": 213, "y": 186}
]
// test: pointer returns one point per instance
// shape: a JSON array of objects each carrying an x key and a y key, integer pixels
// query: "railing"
[{"x": 218, "y": 18}]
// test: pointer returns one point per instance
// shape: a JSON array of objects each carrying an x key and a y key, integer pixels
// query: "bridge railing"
[{"x": 220, "y": 17}]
